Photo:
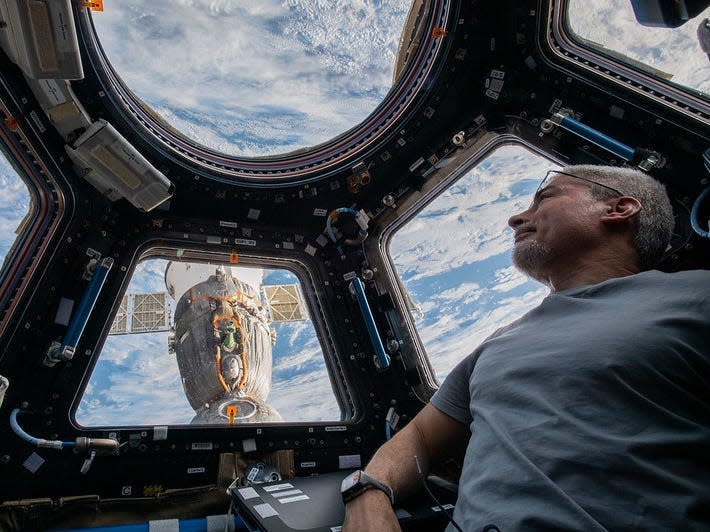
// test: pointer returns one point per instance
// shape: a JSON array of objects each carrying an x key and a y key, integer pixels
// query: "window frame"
[
  {"x": 46, "y": 210},
  {"x": 342, "y": 390},
  {"x": 556, "y": 37}
]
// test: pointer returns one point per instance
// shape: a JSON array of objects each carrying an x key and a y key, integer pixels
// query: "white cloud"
[
  {"x": 508, "y": 278},
  {"x": 446, "y": 350},
  {"x": 308, "y": 397},
  {"x": 14, "y": 204},
  {"x": 135, "y": 382}
]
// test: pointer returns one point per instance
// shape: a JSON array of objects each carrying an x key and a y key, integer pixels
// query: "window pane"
[
  {"x": 454, "y": 257},
  {"x": 204, "y": 378},
  {"x": 673, "y": 54},
  {"x": 14, "y": 206},
  {"x": 259, "y": 77}
]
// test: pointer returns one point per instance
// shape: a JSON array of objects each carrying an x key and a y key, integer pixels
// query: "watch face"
[{"x": 350, "y": 481}]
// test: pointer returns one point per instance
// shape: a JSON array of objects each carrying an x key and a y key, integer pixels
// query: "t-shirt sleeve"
[{"x": 453, "y": 397}]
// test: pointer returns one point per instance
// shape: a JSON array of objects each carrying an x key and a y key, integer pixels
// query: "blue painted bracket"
[
  {"x": 382, "y": 359},
  {"x": 595, "y": 137},
  {"x": 83, "y": 311}
]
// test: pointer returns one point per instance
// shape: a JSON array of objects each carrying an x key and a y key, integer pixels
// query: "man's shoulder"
[
  {"x": 682, "y": 276},
  {"x": 686, "y": 287}
]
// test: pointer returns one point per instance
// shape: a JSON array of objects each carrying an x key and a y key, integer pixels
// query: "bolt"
[
  {"x": 388, "y": 200},
  {"x": 547, "y": 125}
]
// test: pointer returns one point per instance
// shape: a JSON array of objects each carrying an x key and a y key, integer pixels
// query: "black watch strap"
[{"x": 358, "y": 483}]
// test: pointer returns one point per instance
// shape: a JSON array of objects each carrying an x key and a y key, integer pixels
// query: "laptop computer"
[{"x": 313, "y": 504}]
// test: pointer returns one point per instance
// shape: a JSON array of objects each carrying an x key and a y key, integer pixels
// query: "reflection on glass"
[
  {"x": 209, "y": 344},
  {"x": 454, "y": 257},
  {"x": 673, "y": 54},
  {"x": 14, "y": 206},
  {"x": 255, "y": 78}
]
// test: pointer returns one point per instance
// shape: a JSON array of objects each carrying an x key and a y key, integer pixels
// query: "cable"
[
  {"x": 360, "y": 218},
  {"x": 681, "y": 234},
  {"x": 431, "y": 495},
  {"x": 227, "y": 527},
  {"x": 51, "y": 444},
  {"x": 695, "y": 214}
]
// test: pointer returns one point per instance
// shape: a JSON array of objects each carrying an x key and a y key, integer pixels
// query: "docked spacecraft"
[{"x": 223, "y": 343}]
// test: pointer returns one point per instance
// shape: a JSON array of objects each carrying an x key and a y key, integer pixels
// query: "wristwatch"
[{"x": 357, "y": 483}]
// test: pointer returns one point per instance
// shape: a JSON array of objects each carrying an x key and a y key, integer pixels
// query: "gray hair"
[{"x": 654, "y": 223}]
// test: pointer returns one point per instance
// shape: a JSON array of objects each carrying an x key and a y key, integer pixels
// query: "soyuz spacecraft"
[
  {"x": 222, "y": 342},
  {"x": 222, "y": 338}
]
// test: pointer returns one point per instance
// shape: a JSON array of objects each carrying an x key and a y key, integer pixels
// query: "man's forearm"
[
  {"x": 394, "y": 463},
  {"x": 429, "y": 436}
]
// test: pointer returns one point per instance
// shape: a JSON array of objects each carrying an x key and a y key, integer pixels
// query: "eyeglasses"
[{"x": 553, "y": 173}]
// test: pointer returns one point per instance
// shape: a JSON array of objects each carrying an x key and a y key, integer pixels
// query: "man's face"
[{"x": 562, "y": 221}]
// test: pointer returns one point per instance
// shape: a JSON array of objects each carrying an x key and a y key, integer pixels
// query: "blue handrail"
[
  {"x": 83, "y": 311},
  {"x": 595, "y": 137},
  {"x": 381, "y": 358}
]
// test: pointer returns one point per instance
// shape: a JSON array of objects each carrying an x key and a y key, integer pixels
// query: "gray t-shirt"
[{"x": 592, "y": 411}]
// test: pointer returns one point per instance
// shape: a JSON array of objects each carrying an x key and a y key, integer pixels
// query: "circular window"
[{"x": 256, "y": 78}]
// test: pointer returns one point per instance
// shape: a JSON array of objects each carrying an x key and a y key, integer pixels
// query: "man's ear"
[{"x": 621, "y": 209}]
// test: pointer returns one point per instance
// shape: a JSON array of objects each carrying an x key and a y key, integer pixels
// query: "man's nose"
[{"x": 518, "y": 219}]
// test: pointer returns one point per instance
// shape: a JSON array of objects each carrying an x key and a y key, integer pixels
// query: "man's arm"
[{"x": 430, "y": 436}]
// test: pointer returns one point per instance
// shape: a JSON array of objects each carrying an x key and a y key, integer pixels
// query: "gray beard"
[{"x": 529, "y": 257}]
